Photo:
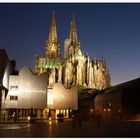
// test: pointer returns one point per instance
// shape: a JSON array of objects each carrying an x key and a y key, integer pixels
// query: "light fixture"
[
  {"x": 108, "y": 109},
  {"x": 91, "y": 110}
]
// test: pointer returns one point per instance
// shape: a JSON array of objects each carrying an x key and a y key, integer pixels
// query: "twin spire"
[
  {"x": 73, "y": 32},
  {"x": 53, "y": 32}
]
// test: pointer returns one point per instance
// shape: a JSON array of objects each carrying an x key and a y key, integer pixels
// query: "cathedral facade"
[{"x": 75, "y": 68}]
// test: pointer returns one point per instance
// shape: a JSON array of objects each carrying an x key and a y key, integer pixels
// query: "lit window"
[
  {"x": 108, "y": 109},
  {"x": 91, "y": 110},
  {"x": 13, "y": 87},
  {"x": 14, "y": 98}
]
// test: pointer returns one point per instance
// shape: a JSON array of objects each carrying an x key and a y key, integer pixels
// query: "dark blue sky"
[{"x": 109, "y": 30}]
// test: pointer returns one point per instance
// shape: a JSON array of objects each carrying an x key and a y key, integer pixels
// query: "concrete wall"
[
  {"x": 124, "y": 99},
  {"x": 30, "y": 89},
  {"x": 109, "y": 104},
  {"x": 62, "y": 98}
]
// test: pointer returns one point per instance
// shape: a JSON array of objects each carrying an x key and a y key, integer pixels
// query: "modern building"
[
  {"x": 75, "y": 68},
  {"x": 120, "y": 101},
  {"x": 6, "y": 68},
  {"x": 24, "y": 92},
  {"x": 27, "y": 92}
]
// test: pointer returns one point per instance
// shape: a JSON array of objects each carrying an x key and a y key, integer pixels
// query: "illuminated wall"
[
  {"x": 27, "y": 90},
  {"x": 61, "y": 98}
]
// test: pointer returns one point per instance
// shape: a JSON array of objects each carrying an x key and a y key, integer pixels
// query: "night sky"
[{"x": 108, "y": 30}]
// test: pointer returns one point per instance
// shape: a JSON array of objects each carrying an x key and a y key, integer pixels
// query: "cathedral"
[{"x": 75, "y": 68}]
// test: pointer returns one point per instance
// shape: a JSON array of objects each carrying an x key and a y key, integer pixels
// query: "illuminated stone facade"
[{"x": 75, "y": 68}]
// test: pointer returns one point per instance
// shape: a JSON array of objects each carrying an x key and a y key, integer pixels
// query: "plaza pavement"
[{"x": 69, "y": 129}]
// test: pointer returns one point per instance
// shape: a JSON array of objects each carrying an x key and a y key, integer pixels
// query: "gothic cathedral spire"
[
  {"x": 74, "y": 46},
  {"x": 52, "y": 48},
  {"x": 53, "y": 31},
  {"x": 73, "y": 32},
  {"x": 75, "y": 68}
]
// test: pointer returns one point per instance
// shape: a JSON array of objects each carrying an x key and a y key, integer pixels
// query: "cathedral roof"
[{"x": 51, "y": 63}]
